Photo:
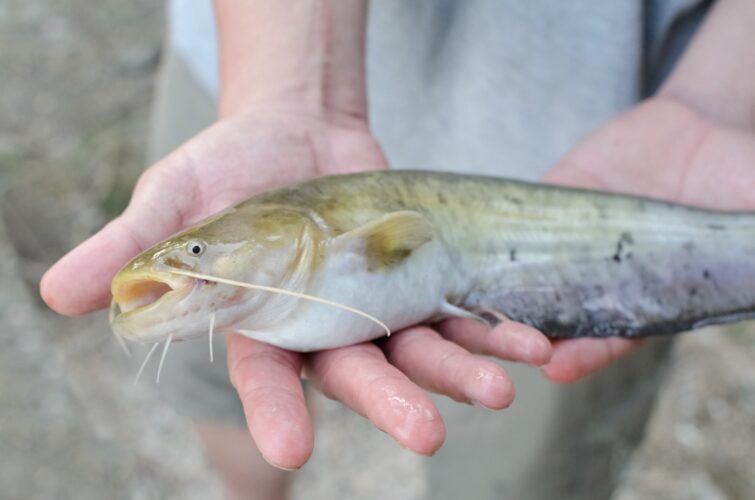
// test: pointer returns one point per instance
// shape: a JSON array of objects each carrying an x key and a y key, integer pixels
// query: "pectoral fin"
[
  {"x": 390, "y": 239},
  {"x": 453, "y": 311}
]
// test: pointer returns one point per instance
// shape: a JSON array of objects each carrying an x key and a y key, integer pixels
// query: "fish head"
[{"x": 158, "y": 293}]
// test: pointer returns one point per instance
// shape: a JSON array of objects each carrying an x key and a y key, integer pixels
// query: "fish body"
[{"x": 407, "y": 247}]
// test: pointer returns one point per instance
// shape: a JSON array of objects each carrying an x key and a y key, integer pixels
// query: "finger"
[
  {"x": 360, "y": 377},
  {"x": 80, "y": 282},
  {"x": 575, "y": 359},
  {"x": 442, "y": 366},
  {"x": 508, "y": 340},
  {"x": 267, "y": 380}
]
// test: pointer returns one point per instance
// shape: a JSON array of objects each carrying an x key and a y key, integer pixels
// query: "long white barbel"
[
  {"x": 212, "y": 331},
  {"x": 281, "y": 291},
  {"x": 144, "y": 363},
  {"x": 162, "y": 358}
]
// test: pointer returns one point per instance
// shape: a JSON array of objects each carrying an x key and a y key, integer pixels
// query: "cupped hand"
[
  {"x": 662, "y": 149},
  {"x": 258, "y": 151}
]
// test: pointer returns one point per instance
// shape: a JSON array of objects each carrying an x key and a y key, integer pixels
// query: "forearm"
[
  {"x": 304, "y": 53},
  {"x": 716, "y": 75}
]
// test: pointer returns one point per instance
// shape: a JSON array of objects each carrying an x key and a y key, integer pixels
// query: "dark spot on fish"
[
  {"x": 512, "y": 255},
  {"x": 706, "y": 274},
  {"x": 628, "y": 255},
  {"x": 692, "y": 291},
  {"x": 688, "y": 246},
  {"x": 716, "y": 227},
  {"x": 624, "y": 239}
]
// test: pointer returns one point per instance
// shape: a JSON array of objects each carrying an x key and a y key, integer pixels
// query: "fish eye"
[{"x": 195, "y": 247}]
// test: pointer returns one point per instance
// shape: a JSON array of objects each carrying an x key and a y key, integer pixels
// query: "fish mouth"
[{"x": 134, "y": 293}]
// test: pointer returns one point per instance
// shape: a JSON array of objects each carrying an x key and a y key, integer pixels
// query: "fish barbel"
[{"x": 405, "y": 247}]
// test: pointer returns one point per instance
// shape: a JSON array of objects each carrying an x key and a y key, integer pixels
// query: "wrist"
[
  {"x": 291, "y": 109},
  {"x": 343, "y": 107},
  {"x": 302, "y": 57}
]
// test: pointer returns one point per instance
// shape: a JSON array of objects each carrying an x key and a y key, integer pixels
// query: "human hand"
[
  {"x": 661, "y": 149},
  {"x": 261, "y": 150}
]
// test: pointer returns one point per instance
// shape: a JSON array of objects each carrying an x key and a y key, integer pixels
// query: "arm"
[{"x": 693, "y": 142}]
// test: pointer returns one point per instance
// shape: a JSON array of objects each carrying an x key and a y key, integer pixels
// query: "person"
[{"x": 504, "y": 88}]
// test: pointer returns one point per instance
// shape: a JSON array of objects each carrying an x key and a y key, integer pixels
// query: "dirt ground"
[{"x": 75, "y": 87}]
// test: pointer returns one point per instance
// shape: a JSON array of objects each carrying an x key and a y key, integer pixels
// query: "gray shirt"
[{"x": 490, "y": 86}]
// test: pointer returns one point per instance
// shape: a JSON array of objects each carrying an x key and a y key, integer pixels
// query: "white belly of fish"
[{"x": 406, "y": 294}]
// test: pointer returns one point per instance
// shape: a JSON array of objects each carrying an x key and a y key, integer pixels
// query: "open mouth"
[{"x": 138, "y": 292}]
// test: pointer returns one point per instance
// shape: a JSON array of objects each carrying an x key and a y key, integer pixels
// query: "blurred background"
[{"x": 76, "y": 80}]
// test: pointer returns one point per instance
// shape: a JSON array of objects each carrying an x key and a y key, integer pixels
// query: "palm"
[
  {"x": 660, "y": 149},
  {"x": 248, "y": 154}
]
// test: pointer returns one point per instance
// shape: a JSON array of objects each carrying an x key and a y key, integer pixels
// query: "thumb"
[{"x": 80, "y": 281}]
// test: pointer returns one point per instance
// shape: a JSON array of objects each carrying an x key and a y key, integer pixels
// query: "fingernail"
[
  {"x": 287, "y": 469},
  {"x": 480, "y": 404},
  {"x": 538, "y": 352}
]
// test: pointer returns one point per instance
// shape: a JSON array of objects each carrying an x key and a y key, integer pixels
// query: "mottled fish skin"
[{"x": 570, "y": 262}]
